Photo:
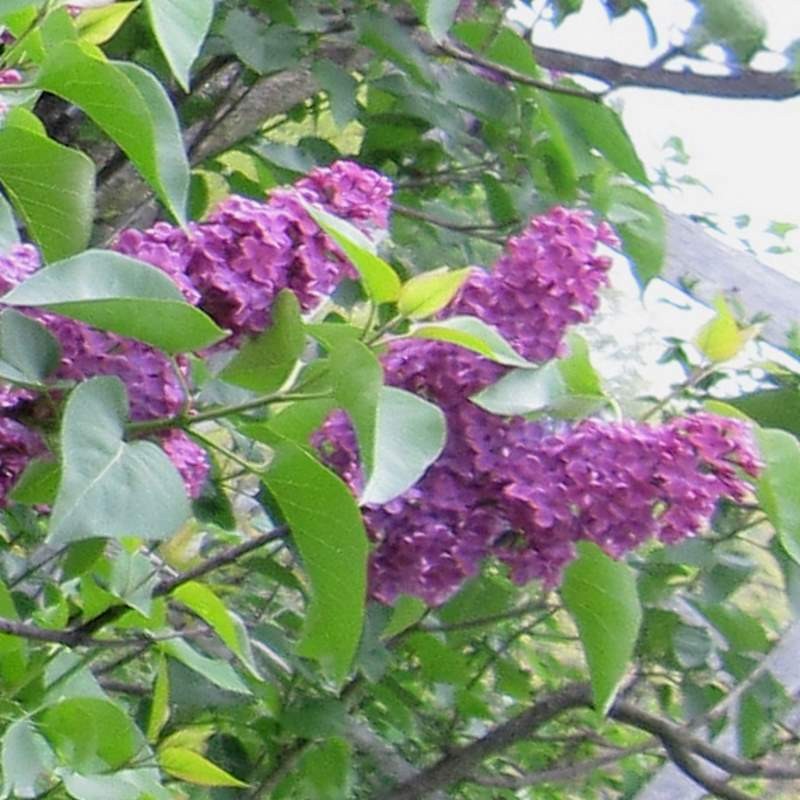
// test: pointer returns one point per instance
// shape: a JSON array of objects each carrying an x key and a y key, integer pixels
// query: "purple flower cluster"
[
  {"x": 546, "y": 280},
  {"x": 524, "y": 492},
  {"x": 232, "y": 266},
  {"x": 153, "y": 386},
  {"x": 234, "y": 263}
]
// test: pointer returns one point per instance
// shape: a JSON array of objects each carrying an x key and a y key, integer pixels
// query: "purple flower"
[{"x": 190, "y": 460}]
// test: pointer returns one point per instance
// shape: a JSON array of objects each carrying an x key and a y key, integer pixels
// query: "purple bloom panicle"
[
  {"x": 234, "y": 263},
  {"x": 525, "y": 492}
]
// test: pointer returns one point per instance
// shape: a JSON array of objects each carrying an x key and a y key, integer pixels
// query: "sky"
[{"x": 744, "y": 151}]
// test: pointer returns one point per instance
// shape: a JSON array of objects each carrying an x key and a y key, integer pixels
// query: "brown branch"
[
  {"x": 469, "y": 57},
  {"x": 691, "y": 767},
  {"x": 743, "y": 85},
  {"x": 669, "y": 732},
  {"x": 478, "y": 231},
  {"x": 168, "y": 585},
  {"x": 681, "y": 746},
  {"x": 557, "y": 774},
  {"x": 460, "y": 762}
]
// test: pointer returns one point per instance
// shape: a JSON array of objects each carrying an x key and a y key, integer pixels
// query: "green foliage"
[
  {"x": 109, "y": 487},
  {"x": 601, "y": 596}
]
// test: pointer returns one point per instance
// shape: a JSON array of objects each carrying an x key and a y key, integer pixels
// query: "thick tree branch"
[
  {"x": 681, "y": 746},
  {"x": 744, "y": 85},
  {"x": 461, "y": 762}
]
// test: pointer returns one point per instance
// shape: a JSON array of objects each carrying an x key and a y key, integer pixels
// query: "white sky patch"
[{"x": 745, "y": 151}]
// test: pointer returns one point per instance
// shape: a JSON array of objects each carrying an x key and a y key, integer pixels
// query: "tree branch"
[
  {"x": 681, "y": 746},
  {"x": 557, "y": 774},
  {"x": 744, "y": 85},
  {"x": 468, "y": 57},
  {"x": 460, "y": 763},
  {"x": 168, "y": 585}
]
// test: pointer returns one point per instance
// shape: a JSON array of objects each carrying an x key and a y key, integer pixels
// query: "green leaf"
[
  {"x": 499, "y": 200},
  {"x": 743, "y": 632},
  {"x": 326, "y": 770},
  {"x": 327, "y": 527},
  {"x": 83, "y": 729},
  {"x": 102, "y": 787},
  {"x": 720, "y": 339},
  {"x": 771, "y": 408},
  {"x": 600, "y": 594},
  {"x": 201, "y": 599},
  {"x": 425, "y": 294},
  {"x": 410, "y": 435},
  {"x": 357, "y": 377},
  {"x": 133, "y": 580},
  {"x": 9, "y": 235},
  {"x": 473, "y": 334},
  {"x": 13, "y": 649},
  {"x": 640, "y": 224},
  {"x": 438, "y": 662},
  {"x": 568, "y": 388},
  {"x": 26, "y": 759},
  {"x": 180, "y": 27},
  {"x": 522, "y": 391},
  {"x": 220, "y": 673},
  {"x": 380, "y": 280},
  {"x": 38, "y": 483},
  {"x": 265, "y": 363},
  {"x": 263, "y": 49},
  {"x": 111, "y": 488},
  {"x": 120, "y": 294},
  {"x": 52, "y": 188},
  {"x": 577, "y": 370},
  {"x": 159, "y": 708},
  {"x": 98, "y": 25},
  {"x": 131, "y": 106},
  {"x": 310, "y": 718},
  {"x": 406, "y": 612},
  {"x": 387, "y": 38},
  {"x": 738, "y": 25},
  {"x": 601, "y": 128},
  {"x": 692, "y": 646},
  {"x": 439, "y": 16},
  {"x": 777, "y": 485},
  {"x": 341, "y": 88},
  {"x": 171, "y": 163},
  {"x": 28, "y": 351},
  {"x": 193, "y": 768}
]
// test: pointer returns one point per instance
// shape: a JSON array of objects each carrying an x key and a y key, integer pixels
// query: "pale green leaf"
[
  {"x": 425, "y": 294},
  {"x": 193, "y": 768},
  {"x": 180, "y": 27},
  {"x": 473, "y": 334},
  {"x": 327, "y": 527},
  {"x": 409, "y": 437},
  {"x": 601, "y": 596},
  {"x": 116, "y": 293},
  {"x": 110, "y": 488},
  {"x": 380, "y": 280}
]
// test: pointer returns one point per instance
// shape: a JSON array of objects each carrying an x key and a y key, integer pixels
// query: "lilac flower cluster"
[
  {"x": 524, "y": 492},
  {"x": 153, "y": 386},
  {"x": 546, "y": 280},
  {"x": 234, "y": 263},
  {"x": 232, "y": 266}
]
